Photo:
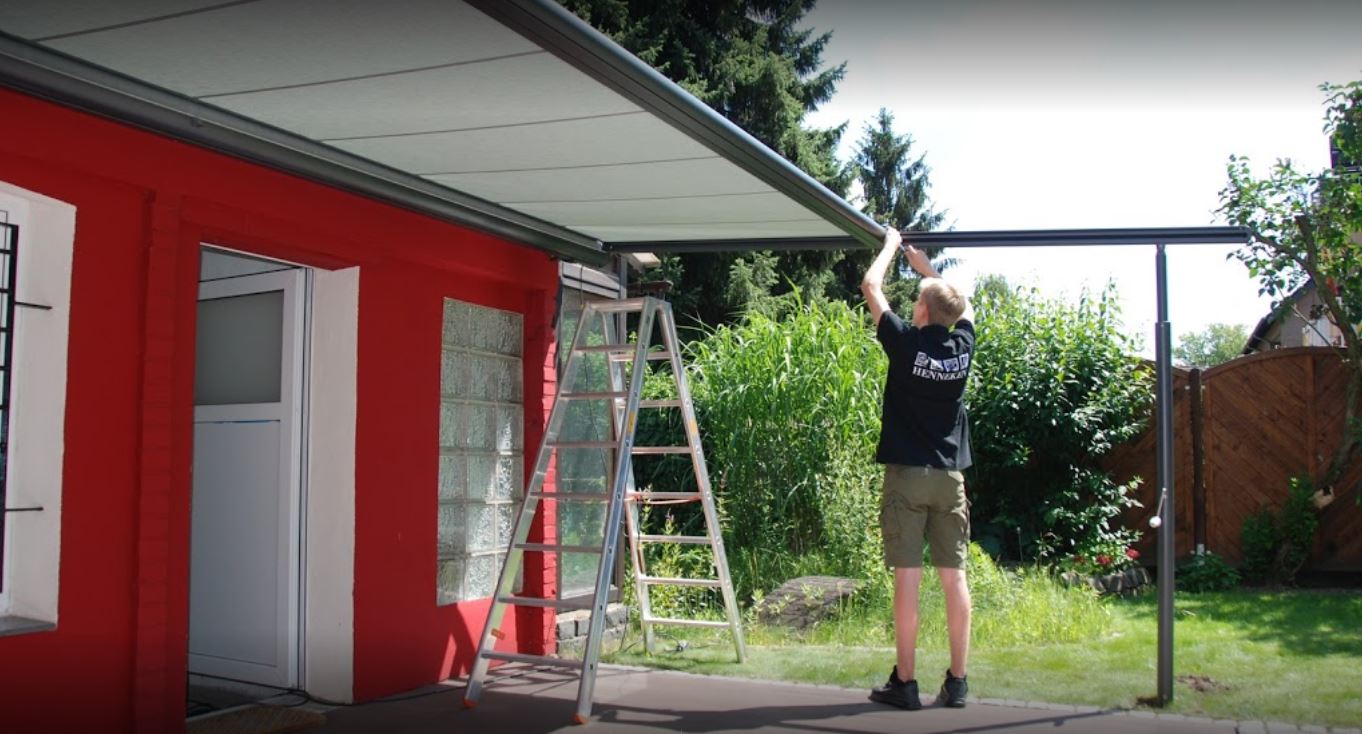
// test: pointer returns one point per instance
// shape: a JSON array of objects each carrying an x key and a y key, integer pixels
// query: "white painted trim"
[
  {"x": 329, "y": 506},
  {"x": 217, "y": 264},
  {"x": 38, "y": 389}
]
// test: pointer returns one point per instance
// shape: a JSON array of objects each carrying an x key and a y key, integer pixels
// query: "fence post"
[{"x": 1198, "y": 461}]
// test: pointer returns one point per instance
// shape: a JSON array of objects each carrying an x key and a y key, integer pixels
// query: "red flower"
[
  {"x": 1132, "y": 554},
  {"x": 1104, "y": 560}
]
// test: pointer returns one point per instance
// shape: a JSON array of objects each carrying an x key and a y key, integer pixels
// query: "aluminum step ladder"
[{"x": 627, "y": 367}]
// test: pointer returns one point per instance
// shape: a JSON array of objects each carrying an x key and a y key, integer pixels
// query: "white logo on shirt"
[{"x": 941, "y": 370}]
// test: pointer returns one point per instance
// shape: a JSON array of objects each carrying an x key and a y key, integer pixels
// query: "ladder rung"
[
  {"x": 663, "y": 581},
  {"x": 684, "y": 622},
  {"x": 620, "y": 348},
  {"x": 681, "y": 539},
  {"x": 512, "y": 657},
  {"x": 531, "y": 601},
  {"x": 652, "y": 450},
  {"x": 572, "y": 496},
  {"x": 629, "y": 356},
  {"x": 602, "y": 497},
  {"x": 584, "y": 445},
  {"x": 647, "y": 496},
  {"x": 608, "y": 348},
  {"x": 557, "y": 548},
  {"x": 593, "y": 395},
  {"x": 659, "y": 403},
  {"x": 624, "y": 304}
]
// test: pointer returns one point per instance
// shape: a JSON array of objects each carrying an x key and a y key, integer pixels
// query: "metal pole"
[{"x": 1163, "y": 358}]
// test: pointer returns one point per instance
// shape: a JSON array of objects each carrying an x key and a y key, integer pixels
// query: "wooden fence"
[{"x": 1260, "y": 420}]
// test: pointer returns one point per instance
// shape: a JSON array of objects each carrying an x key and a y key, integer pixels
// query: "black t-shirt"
[{"x": 923, "y": 422}]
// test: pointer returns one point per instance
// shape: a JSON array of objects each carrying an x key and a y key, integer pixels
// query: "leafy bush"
[
  {"x": 1258, "y": 537},
  {"x": 1205, "y": 571},
  {"x": 1054, "y": 389},
  {"x": 1277, "y": 544},
  {"x": 1104, "y": 559}
]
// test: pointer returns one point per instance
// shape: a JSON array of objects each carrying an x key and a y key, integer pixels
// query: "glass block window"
[
  {"x": 588, "y": 470},
  {"x": 482, "y": 423}
]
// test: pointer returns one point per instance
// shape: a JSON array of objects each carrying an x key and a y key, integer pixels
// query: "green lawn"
[{"x": 1290, "y": 656}]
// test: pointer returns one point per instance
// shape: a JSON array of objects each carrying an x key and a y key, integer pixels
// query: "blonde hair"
[{"x": 944, "y": 302}]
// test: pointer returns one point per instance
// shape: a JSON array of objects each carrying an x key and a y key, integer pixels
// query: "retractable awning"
[{"x": 511, "y": 116}]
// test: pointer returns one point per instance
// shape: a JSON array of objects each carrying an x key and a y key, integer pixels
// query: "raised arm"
[{"x": 872, "y": 285}]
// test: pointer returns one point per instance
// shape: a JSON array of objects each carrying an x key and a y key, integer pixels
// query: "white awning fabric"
[{"x": 574, "y": 132}]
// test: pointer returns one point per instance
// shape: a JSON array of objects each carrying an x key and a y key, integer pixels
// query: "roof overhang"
[
  {"x": 75, "y": 83},
  {"x": 509, "y": 116}
]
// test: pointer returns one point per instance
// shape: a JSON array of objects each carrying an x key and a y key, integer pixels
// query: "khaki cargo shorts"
[{"x": 920, "y": 504}]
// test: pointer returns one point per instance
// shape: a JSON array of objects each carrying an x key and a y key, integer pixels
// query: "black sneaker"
[
  {"x": 953, "y": 691},
  {"x": 897, "y": 693}
]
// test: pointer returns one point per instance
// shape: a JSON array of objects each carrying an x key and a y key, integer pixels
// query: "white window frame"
[{"x": 37, "y": 419}]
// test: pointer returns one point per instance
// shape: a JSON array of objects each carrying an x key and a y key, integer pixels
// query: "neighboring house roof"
[
  {"x": 511, "y": 116},
  {"x": 1258, "y": 341}
]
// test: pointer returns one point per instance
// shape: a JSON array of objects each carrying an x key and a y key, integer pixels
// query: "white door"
[{"x": 245, "y": 542}]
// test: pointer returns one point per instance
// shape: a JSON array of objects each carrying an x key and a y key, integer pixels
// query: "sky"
[{"x": 1061, "y": 114}]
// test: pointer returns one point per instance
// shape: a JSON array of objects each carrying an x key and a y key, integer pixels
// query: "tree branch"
[{"x": 1352, "y": 351}]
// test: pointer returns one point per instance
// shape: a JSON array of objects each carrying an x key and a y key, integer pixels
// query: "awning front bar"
[{"x": 1001, "y": 238}]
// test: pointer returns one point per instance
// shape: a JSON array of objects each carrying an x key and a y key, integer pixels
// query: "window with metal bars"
[{"x": 9, "y": 263}]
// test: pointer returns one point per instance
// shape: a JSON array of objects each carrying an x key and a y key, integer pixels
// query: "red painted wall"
[
  {"x": 144, "y": 203},
  {"x": 403, "y": 640}
]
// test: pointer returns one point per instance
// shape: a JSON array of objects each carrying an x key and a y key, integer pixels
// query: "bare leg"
[
  {"x": 956, "y": 589},
  {"x": 907, "y": 581}
]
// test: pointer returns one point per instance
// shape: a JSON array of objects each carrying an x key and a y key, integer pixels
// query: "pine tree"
[
  {"x": 751, "y": 62},
  {"x": 894, "y": 191}
]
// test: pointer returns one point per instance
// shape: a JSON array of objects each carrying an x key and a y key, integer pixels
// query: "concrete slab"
[{"x": 641, "y": 701}]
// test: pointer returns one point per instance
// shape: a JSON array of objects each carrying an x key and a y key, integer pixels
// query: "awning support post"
[{"x": 1163, "y": 358}]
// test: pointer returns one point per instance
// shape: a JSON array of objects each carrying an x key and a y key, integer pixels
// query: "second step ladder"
[{"x": 620, "y": 368}]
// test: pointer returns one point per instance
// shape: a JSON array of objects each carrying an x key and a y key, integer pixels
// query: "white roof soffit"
[{"x": 511, "y": 116}]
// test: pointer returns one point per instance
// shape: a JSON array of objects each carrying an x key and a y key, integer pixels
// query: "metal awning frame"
[
  {"x": 1163, "y": 346},
  {"x": 1160, "y": 238},
  {"x": 999, "y": 238}
]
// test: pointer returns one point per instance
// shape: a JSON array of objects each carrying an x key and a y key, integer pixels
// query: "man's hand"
[
  {"x": 892, "y": 238},
  {"x": 918, "y": 259}
]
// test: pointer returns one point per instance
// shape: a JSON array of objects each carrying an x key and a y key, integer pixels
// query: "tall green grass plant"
[
  {"x": 1012, "y": 607},
  {"x": 788, "y": 404}
]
